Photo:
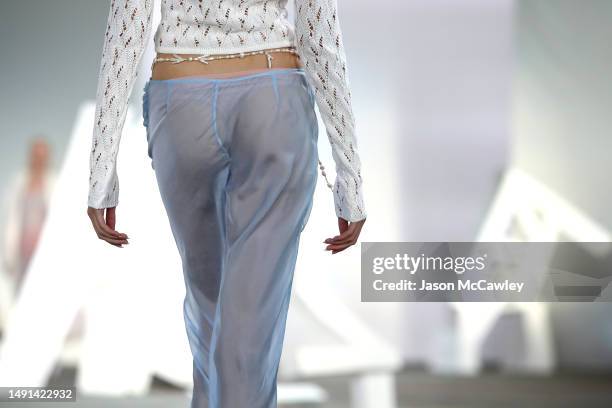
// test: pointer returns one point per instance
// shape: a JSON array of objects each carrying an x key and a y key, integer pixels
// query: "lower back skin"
[{"x": 223, "y": 68}]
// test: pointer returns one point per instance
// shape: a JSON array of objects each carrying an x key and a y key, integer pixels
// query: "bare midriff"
[{"x": 223, "y": 68}]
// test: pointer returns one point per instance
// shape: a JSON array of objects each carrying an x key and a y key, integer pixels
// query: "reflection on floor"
[{"x": 416, "y": 389}]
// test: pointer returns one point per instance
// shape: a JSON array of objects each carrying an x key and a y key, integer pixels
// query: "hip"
[{"x": 277, "y": 104}]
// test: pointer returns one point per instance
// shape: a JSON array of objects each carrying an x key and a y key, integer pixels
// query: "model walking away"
[{"x": 232, "y": 135}]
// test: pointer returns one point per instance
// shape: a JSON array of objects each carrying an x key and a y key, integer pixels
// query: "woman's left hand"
[{"x": 349, "y": 234}]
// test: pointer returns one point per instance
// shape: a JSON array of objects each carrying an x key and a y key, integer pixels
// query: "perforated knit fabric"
[{"x": 222, "y": 27}]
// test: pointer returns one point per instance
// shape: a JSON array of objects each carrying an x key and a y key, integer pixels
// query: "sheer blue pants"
[{"x": 236, "y": 164}]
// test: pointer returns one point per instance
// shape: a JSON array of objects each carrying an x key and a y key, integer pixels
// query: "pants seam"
[
  {"x": 191, "y": 326},
  {"x": 276, "y": 93},
  {"x": 168, "y": 90},
  {"x": 214, "y": 119}
]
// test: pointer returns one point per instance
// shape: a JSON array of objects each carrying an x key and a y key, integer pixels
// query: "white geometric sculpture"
[
  {"x": 362, "y": 352},
  {"x": 524, "y": 210},
  {"x": 126, "y": 288}
]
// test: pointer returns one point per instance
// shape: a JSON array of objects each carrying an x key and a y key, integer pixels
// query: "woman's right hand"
[{"x": 105, "y": 228}]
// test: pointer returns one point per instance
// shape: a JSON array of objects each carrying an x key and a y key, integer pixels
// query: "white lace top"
[{"x": 221, "y": 27}]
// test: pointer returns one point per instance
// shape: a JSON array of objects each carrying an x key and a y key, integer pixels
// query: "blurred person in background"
[{"x": 27, "y": 200}]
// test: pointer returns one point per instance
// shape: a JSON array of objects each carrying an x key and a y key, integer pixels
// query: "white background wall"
[{"x": 562, "y": 136}]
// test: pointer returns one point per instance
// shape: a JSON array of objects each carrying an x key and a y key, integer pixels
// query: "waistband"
[{"x": 205, "y": 79}]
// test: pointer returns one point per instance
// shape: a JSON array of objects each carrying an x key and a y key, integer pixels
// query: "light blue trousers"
[{"x": 236, "y": 164}]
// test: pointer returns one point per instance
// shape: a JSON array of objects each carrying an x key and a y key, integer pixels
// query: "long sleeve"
[
  {"x": 320, "y": 45},
  {"x": 127, "y": 31}
]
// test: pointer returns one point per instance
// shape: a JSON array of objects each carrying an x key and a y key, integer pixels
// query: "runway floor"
[{"x": 416, "y": 389}]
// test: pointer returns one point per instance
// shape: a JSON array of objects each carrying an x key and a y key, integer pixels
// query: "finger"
[
  {"x": 111, "y": 220},
  {"x": 346, "y": 230},
  {"x": 102, "y": 234},
  {"x": 339, "y": 250},
  {"x": 110, "y": 217},
  {"x": 345, "y": 236},
  {"x": 351, "y": 234},
  {"x": 349, "y": 237},
  {"x": 340, "y": 243},
  {"x": 97, "y": 216},
  {"x": 110, "y": 239},
  {"x": 106, "y": 229},
  {"x": 96, "y": 224},
  {"x": 116, "y": 242},
  {"x": 342, "y": 226},
  {"x": 340, "y": 246}
]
